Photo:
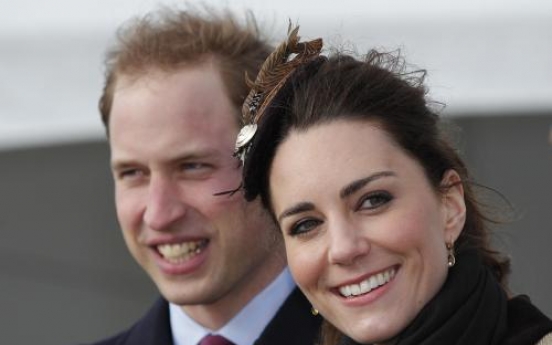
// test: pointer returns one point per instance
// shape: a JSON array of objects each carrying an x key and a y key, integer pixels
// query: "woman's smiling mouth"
[{"x": 368, "y": 284}]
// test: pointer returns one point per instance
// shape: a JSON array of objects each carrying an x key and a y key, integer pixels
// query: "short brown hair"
[{"x": 170, "y": 39}]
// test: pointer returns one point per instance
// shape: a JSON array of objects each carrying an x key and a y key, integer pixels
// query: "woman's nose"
[{"x": 347, "y": 244}]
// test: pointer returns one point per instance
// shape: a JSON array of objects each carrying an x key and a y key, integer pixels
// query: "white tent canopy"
[{"x": 483, "y": 57}]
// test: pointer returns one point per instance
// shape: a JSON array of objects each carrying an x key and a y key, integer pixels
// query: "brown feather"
[{"x": 275, "y": 71}]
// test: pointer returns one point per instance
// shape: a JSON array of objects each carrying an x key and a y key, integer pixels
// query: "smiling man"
[{"x": 175, "y": 82}]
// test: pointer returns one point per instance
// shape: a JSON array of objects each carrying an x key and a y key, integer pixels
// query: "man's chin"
[{"x": 185, "y": 295}]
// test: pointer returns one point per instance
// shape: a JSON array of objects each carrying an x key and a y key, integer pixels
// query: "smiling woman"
[
  {"x": 370, "y": 249},
  {"x": 383, "y": 231}
]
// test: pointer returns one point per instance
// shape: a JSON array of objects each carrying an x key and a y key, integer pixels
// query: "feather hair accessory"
[{"x": 272, "y": 76}]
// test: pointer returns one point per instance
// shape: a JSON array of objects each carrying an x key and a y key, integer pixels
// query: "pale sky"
[{"x": 36, "y": 15}]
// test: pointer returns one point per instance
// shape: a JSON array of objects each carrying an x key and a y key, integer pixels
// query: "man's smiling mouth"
[{"x": 180, "y": 252}]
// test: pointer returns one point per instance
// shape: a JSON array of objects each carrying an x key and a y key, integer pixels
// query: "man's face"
[{"x": 172, "y": 137}]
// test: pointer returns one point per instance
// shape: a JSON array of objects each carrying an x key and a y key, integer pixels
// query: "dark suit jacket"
[{"x": 293, "y": 324}]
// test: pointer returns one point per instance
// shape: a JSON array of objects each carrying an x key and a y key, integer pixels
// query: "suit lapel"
[
  {"x": 154, "y": 328},
  {"x": 294, "y": 323}
]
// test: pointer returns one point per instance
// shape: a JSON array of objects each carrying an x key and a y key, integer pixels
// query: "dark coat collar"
[{"x": 293, "y": 324}]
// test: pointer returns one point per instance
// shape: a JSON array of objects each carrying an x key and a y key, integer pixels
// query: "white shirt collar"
[{"x": 246, "y": 326}]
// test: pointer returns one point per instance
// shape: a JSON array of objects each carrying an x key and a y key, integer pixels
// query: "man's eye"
[
  {"x": 193, "y": 166},
  {"x": 374, "y": 200},
  {"x": 129, "y": 173},
  {"x": 304, "y": 226}
]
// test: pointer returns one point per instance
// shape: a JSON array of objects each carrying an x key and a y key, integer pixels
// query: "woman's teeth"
[
  {"x": 180, "y": 252},
  {"x": 367, "y": 285}
]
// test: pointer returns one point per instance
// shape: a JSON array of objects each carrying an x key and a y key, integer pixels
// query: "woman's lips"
[{"x": 368, "y": 284}]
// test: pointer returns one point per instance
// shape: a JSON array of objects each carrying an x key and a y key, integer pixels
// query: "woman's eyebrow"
[
  {"x": 354, "y": 186},
  {"x": 298, "y": 208}
]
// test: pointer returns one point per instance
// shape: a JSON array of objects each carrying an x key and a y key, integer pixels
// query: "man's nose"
[{"x": 164, "y": 205}]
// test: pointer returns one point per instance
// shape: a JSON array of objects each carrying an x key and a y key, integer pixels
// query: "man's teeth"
[
  {"x": 367, "y": 285},
  {"x": 179, "y": 252}
]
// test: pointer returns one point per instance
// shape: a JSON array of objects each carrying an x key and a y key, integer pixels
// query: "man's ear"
[{"x": 454, "y": 204}]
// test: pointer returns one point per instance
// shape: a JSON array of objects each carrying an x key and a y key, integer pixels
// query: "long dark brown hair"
[{"x": 376, "y": 88}]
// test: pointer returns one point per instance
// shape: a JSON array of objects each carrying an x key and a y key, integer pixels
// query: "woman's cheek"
[{"x": 305, "y": 264}]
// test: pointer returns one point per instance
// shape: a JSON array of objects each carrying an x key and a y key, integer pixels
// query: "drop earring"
[{"x": 451, "y": 259}]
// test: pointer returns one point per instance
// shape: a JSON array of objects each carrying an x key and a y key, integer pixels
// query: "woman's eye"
[
  {"x": 374, "y": 200},
  {"x": 304, "y": 226}
]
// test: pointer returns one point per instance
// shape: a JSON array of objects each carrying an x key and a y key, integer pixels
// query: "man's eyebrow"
[
  {"x": 354, "y": 186},
  {"x": 295, "y": 209},
  {"x": 121, "y": 164},
  {"x": 196, "y": 154}
]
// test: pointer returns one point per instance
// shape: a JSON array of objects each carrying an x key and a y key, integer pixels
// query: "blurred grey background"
[{"x": 65, "y": 274}]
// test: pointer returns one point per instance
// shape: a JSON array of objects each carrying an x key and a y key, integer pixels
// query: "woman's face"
[{"x": 365, "y": 232}]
